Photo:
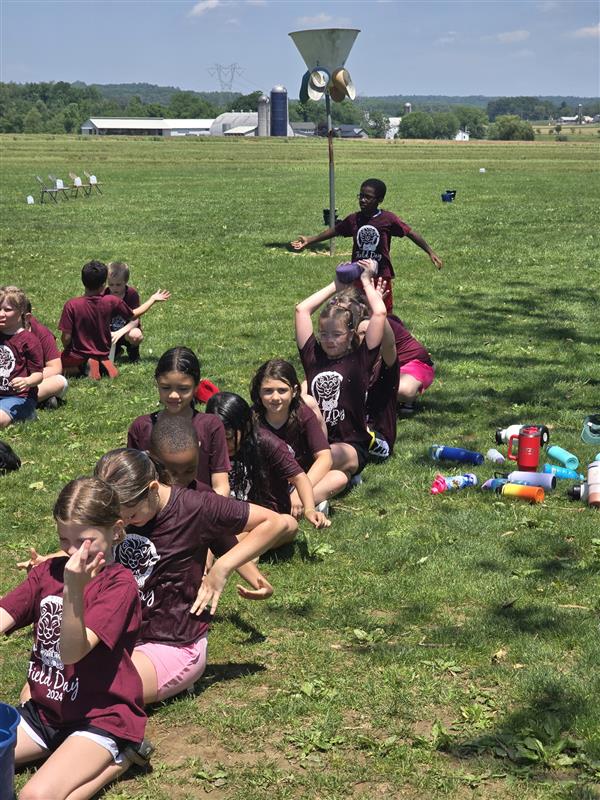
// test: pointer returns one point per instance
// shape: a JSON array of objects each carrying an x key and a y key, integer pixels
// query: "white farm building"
[{"x": 145, "y": 126}]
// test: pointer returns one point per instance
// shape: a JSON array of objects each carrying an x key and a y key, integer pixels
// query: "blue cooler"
[{"x": 9, "y": 720}]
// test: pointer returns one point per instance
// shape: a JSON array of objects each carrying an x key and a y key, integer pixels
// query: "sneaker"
[
  {"x": 355, "y": 480},
  {"x": 323, "y": 507},
  {"x": 51, "y": 404},
  {"x": 406, "y": 409},
  {"x": 139, "y": 754},
  {"x": 109, "y": 368},
  {"x": 93, "y": 369},
  {"x": 379, "y": 448}
]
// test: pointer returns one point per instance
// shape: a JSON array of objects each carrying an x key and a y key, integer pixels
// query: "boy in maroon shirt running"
[
  {"x": 85, "y": 323},
  {"x": 371, "y": 230}
]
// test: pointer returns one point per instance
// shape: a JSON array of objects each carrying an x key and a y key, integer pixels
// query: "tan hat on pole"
[{"x": 341, "y": 85}]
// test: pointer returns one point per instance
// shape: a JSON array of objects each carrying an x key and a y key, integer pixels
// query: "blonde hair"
[
  {"x": 88, "y": 501},
  {"x": 129, "y": 472},
  {"x": 118, "y": 270},
  {"x": 16, "y": 297}
]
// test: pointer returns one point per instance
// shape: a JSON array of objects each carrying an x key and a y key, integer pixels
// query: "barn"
[{"x": 145, "y": 126}]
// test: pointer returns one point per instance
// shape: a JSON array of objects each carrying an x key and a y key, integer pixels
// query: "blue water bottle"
[
  {"x": 442, "y": 453},
  {"x": 563, "y": 472}
]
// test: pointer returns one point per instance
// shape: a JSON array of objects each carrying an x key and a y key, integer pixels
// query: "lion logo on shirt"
[
  {"x": 367, "y": 242},
  {"x": 7, "y": 365},
  {"x": 325, "y": 388},
  {"x": 48, "y": 631},
  {"x": 138, "y": 554}
]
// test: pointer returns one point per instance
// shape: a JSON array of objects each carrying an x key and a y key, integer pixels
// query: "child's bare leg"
[
  {"x": 26, "y": 749},
  {"x": 54, "y": 386},
  {"x": 330, "y": 484},
  {"x": 147, "y": 673},
  {"x": 25, "y": 694},
  {"x": 314, "y": 407},
  {"x": 345, "y": 458},
  {"x": 5, "y": 419},
  {"x": 408, "y": 388},
  {"x": 135, "y": 336},
  {"x": 76, "y": 771}
]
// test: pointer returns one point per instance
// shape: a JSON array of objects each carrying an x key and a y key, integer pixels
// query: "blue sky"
[{"x": 523, "y": 47}]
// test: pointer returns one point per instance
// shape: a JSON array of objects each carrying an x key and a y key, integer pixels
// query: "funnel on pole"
[{"x": 325, "y": 51}]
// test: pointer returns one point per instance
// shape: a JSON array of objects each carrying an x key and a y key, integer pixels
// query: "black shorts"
[
  {"x": 362, "y": 454},
  {"x": 54, "y": 737}
]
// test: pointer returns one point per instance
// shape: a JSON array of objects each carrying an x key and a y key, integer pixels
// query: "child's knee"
[{"x": 135, "y": 336}]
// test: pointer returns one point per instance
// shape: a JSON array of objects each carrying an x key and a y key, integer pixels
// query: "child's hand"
[
  {"x": 79, "y": 570},
  {"x": 161, "y": 295},
  {"x": 299, "y": 243},
  {"x": 297, "y": 509},
  {"x": 35, "y": 559},
  {"x": 210, "y": 590},
  {"x": 317, "y": 519},
  {"x": 382, "y": 288},
  {"x": 369, "y": 268},
  {"x": 19, "y": 384},
  {"x": 264, "y": 590},
  {"x": 436, "y": 260}
]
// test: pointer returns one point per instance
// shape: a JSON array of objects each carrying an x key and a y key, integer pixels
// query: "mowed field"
[{"x": 422, "y": 646}]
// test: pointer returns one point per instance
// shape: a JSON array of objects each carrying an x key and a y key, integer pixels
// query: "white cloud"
[
  {"x": 318, "y": 19},
  {"x": 203, "y": 6},
  {"x": 592, "y": 32},
  {"x": 510, "y": 37},
  {"x": 548, "y": 5}
]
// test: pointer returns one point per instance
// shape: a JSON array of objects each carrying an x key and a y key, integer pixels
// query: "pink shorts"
[
  {"x": 177, "y": 668},
  {"x": 424, "y": 373}
]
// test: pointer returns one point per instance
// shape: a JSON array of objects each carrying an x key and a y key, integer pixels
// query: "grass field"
[{"x": 422, "y": 647}]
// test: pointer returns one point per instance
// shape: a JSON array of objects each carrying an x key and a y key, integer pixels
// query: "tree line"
[{"x": 60, "y": 107}]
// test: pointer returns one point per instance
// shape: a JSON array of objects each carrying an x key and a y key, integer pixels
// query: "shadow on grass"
[{"x": 254, "y": 635}]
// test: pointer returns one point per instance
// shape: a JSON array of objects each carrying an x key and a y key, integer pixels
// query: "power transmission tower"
[{"x": 225, "y": 75}]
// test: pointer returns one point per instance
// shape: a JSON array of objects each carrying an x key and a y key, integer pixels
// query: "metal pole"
[{"x": 331, "y": 172}]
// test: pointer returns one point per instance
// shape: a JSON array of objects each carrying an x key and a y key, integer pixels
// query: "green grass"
[{"x": 422, "y": 646}]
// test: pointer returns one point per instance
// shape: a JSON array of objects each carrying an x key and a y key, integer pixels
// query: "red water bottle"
[{"x": 529, "y": 441}]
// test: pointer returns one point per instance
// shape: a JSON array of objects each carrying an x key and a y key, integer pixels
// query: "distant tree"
[
  {"x": 377, "y": 125},
  {"x": 509, "y": 127},
  {"x": 247, "y": 102},
  {"x": 445, "y": 125},
  {"x": 72, "y": 118},
  {"x": 417, "y": 125},
  {"x": 188, "y": 105},
  {"x": 472, "y": 119},
  {"x": 135, "y": 108},
  {"x": 33, "y": 122}
]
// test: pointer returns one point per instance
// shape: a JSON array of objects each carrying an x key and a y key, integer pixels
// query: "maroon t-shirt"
[
  {"x": 382, "y": 401},
  {"x": 371, "y": 237},
  {"x": 87, "y": 319},
  {"x": 304, "y": 438},
  {"x": 130, "y": 298},
  {"x": 167, "y": 557},
  {"x": 103, "y": 688},
  {"x": 339, "y": 385},
  {"x": 279, "y": 465},
  {"x": 46, "y": 338},
  {"x": 407, "y": 347},
  {"x": 20, "y": 356},
  {"x": 212, "y": 444}
]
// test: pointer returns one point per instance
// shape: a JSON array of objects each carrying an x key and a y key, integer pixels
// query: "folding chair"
[
  {"x": 59, "y": 186},
  {"x": 46, "y": 190},
  {"x": 92, "y": 182},
  {"x": 76, "y": 184}
]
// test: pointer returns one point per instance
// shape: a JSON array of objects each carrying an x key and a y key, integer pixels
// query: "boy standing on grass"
[
  {"x": 371, "y": 230},
  {"x": 118, "y": 285},
  {"x": 85, "y": 323}
]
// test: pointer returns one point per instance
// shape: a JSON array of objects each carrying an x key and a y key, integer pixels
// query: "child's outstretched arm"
[
  {"x": 420, "y": 242},
  {"x": 264, "y": 528},
  {"x": 158, "y": 297},
  {"x": 377, "y": 320},
  {"x": 304, "y": 241},
  {"x": 7, "y": 622},
  {"x": 76, "y": 640},
  {"x": 303, "y": 486},
  {"x": 304, "y": 309}
]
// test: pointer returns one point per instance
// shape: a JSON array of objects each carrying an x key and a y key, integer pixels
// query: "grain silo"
[
  {"x": 279, "y": 111},
  {"x": 263, "y": 116}
]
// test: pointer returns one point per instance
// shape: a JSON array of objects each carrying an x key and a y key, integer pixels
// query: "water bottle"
[
  {"x": 348, "y": 272},
  {"x": 493, "y": 484},
  {"x": 503, "y": 434},
  {"x": 529, "y": 443},
  {"x": 567, "y": 459},
  {"x": 535, "y": 494},
  {"x": 593, "y": 482},
  {"x": 544, "y": 479},
  {"x": 495, "y": 456},
  {"x": 453, "y": 483},
  {"x": 442, "y": 453},
  {"x": 579, "y": 492},
  {"x": 563, "y": 473}
]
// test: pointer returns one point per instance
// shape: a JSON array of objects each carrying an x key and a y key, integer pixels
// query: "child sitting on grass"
[
  {"x": 371, "y": 230},
  {"x": 54, "y": 385},
  {"x": 85, "y": 323},
  {"x": 118, "y": 277},
  {"x": 21, "y": 360}
]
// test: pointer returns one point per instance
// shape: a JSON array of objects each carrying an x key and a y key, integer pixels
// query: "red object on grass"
[{"x": 205, "y": 390}]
